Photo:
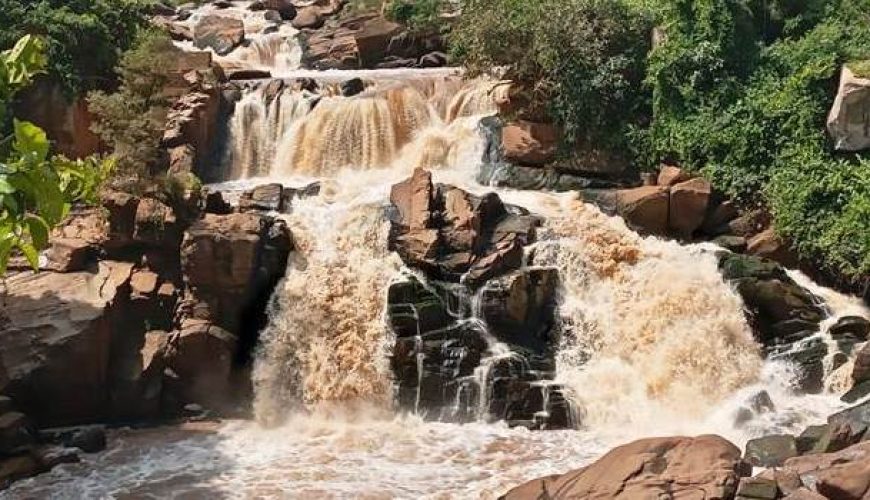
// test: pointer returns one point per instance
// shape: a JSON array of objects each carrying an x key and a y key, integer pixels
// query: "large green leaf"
[
  {"x": 30, "y": 141},
  {"x": 38, "y": 231}
]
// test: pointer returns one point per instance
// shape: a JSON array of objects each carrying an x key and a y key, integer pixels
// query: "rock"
[
  {"x": 746, "y": 224},
  {"x": 701, "y": 467},
  {"x": 844, "y": 475},
  {"x": 201, "y": 355},
  {"x": 284, "y": 7},
  {"x": 736, "y": 244},
  {"x": 858, "y": 392},
  {"x": 434, "y": 60},
  {"x": 352, "y": 87},
  {"x": 645, "y": 208},
  {"x": 221, "y": 34},
  {"x": 247, "y": 74},
  {"x": 671, "y": 176},
  {"x": 804, "y": 494},
  {"x": 861, "y": 370},
  {"x": 88, "y": 438},
  {"x": 161, "y": 9},
  {"x": 719, "y": 217},
  {"x": 855, "y": 423},
  {"x": 18, "y": 467},
  {"x": 268, "y": 198},
  {"x": 519, "y": 308},
  {"x": 57, "y": 332},
  {"x": 15, "y": 432},
  {"x": 688, "y": 206},
  {"x": 308, "y": 18},
  {"x": 780, "y": 310},
  {"x": 768, "y": 245},
  {"x": 757, "y": 488},
  {"x": 230, "y": 261},
  {"x": 529, "y": 143},
  {"x": 770, "y": 451},
  {"x": 68, "y": 255},
  {"x": 373, "y": 40},
  {"x": 848, "y": 121},
  {"x": 193, "y": 121},
  {"x": 156, "y": 224},
  {"x": 853, "y": 328},
  {"x": 414, "y": 310},
  {"x": 50, "y": 457},
  {"x": 215, "y": 203}
]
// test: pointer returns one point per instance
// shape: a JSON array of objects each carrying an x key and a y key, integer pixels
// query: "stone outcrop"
[
  {"x": 688, "y": 206},
  {"x": 219, "y": 33},
  {"x": 455, "y": 236},
  {"x": 645, "y": 209},
  {"x": 702, "y": 467},
  {"x": 849, "y": 118},
  {"x": 529, "y": 143},
  {"x": 192, "y": 125}
]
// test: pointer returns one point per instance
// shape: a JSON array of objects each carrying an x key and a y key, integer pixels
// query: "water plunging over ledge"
[{"x": 653, "y": 341}]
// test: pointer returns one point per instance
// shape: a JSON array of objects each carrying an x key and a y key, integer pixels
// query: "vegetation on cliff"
[
  {"x": 735, "y": 89},
  {"x": 84, "y": 38}
]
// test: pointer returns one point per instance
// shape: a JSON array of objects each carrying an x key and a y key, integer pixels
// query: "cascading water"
[{"x": 654, "y": 342}]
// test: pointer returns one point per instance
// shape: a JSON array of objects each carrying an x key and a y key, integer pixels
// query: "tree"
[{"x": 36, "y": 190}]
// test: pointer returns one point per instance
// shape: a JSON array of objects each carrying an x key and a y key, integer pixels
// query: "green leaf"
[
  {"x": 31, "y": 254},
  {"x": 30, "y": 140},
  {"x": 38, "y": 231},
  {"x": 5, "y": 187}
]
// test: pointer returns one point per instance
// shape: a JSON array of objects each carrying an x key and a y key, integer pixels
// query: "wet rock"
[
  {"x": 771, "y": 451},
  {"x": 858, "y": 392},
  {"x": 57, "y": 332},
  {"x": 414, "y": 310},
  {"x": 18, "y": 467},
  {"x": 757, "y": 488},
  {"x": 536, "y": 178},
  {"x": 519, "y": 308},
  {"x": 861, "y": 370},
  {"x": 847, "y": 121},
  {"x": 15, "y": 432},
  {"x": 88, "y": 438},
  {"x": 719, "y": 217},
  {"x": 768, "y": 245},
  {"x": 247, "y": 74},
  {"x": 808, "y": 356},
  {"x": 854, "y": 328},
  {"x": 284, "y": 7},
  {"x": 645, "y": 208},
  {"x": 455, "y": 236},
  {"x": 671, "y": 176},
  {"x": 528, "y": 143},
  {"x": 268, "y": 198},
  {"x": 434, "y": 60},
  {"x": 688, "y": 206},
  {"x": 746, "y": 224},
  {"x": 352, "y": 87},
  {"x": 50, "y": 457},
  {"x": 221, "y": 34},
  {"x": 778, "y": 307},
  {"x": 736, "y": 244},
  {"x": 855, "y": 423},
  {"x": 705, "y": 466},
  {"x": 215, "y": 203}
]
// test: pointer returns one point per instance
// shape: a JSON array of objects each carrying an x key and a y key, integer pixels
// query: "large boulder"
[
  {"x": 529, "y": 143},
  {"x": 56, "y": 339},
  {"x": 645, "y": 208},
  {"x": 688, "y": 206},
  {"x": 199, "y": 359},
  {"x": 771, "y": 451},
  {"x": 519, "y": 308},
  {"x": 849, "y": 118},
  {"x": 706, "y": 467},
  {"x": 219, "y": 33}
]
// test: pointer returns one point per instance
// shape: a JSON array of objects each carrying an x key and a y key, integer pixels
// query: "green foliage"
[
  {"x": 36, "y": 190},
  {"x": 132, "y": 119},
  {"x": 579, "y": 61},
  {"x": 741, "y": 93},
  {"x": 84, "y": 37},
  {"x": 420, "y": 16}
]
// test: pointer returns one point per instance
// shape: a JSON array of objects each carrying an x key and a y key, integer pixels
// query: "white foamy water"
[{"x": 655, "y": 343}]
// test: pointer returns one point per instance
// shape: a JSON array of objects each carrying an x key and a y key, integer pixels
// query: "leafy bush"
[
  {"x": 752, "y": 117},
  {"x": 421, "y": 16},
  {"x": 131, "y": 120},
  {"x": 84, "y": 37},
  {"x": 36, "y": 190},
  {"x": 579, "y": 61}
]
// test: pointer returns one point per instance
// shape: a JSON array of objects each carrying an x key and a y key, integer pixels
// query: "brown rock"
[
  {"x": 803, "y": 494},
  {"x": 688, "y": 205},
  {"x": 268, "y": 197},
  {"x": 155, "y": 223},
  {"x": 844, "y": 475},
  {"x": 705, "y": 467},
  {"x": 719, "y": 217},
  {"x": 68, "y": 255},
  {"x": 308, "y": 18},
  {"x": 670, "y": 176},
  {"x": 768, "y": 245},
  {"x": 414, "y": 199},
  {"x": 757, "y": 488},
  {"x": 373, "y": 40},
  {"x": 529, "y": 143},
  {"x": 645, "y": 208},
  {"x": 861, "y": 370},
  {"x": 57, "y": 332},
  {"x": 201, "y": 357},
  {"x": 222, "y": 34}
]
